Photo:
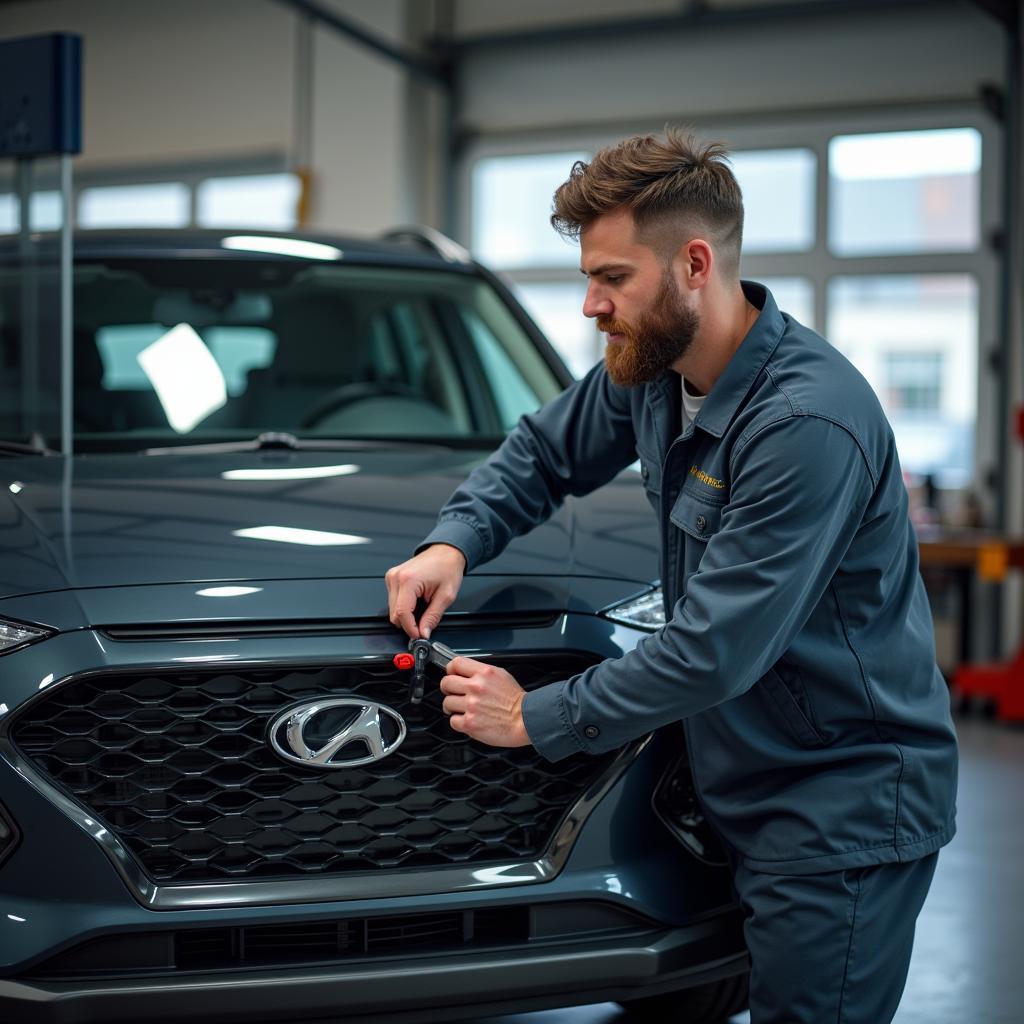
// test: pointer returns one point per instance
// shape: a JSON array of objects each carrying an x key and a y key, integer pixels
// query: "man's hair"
[{"x": 675, "y": 187}]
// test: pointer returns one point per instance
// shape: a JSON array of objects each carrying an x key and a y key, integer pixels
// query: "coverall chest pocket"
[{"x": 696, "y": 515}]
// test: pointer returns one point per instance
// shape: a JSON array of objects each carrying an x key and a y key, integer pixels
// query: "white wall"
[
  {"x": 359, "y": 162},
  {"x": 207, "y": 80},
  {"x": 817, "y": 63},
  {"x": 202, "y": 80},
  {"x": 173, "y": 81}
]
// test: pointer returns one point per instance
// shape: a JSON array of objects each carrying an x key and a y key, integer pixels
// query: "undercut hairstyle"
[{"x": 676, "y": 188}]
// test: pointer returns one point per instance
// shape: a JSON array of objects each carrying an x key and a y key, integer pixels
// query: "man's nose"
[{"x": 596, "y": 304}]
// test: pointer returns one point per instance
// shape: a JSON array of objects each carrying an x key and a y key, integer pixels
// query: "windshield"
[{"x": 193, "y": 350}]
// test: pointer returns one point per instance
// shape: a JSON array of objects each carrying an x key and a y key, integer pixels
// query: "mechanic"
[{"x": 798, "y": 646}]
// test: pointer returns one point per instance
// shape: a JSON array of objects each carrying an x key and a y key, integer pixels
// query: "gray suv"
[{"x": 219, "y": 792}]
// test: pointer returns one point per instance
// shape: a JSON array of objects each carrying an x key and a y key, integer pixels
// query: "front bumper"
[
  {"x": 409, "y": 991},
  {"x": 61, "y": 887}
]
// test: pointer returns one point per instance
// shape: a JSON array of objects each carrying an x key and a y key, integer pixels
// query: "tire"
[{"x": 713, "y": 1003}]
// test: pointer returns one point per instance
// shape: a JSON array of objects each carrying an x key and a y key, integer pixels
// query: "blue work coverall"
[{"x": 798, "y": 648}]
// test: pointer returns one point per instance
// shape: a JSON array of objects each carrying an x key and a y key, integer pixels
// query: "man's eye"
[{"x": 613, "y": 278}]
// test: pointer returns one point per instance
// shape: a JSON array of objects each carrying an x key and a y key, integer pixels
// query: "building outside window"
[{"x": 914, "y": 382}]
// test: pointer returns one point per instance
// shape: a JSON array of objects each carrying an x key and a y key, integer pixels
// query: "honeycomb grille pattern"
[{"x": 178, "y": 766}]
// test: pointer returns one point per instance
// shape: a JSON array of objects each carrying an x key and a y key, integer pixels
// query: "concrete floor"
[{"x": 968, "y": 964}]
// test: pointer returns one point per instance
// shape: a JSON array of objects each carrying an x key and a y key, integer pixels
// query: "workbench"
[{"x": 989, "y": 557}]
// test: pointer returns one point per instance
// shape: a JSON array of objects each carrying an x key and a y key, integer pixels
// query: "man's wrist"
[
  {"x": 454, "y": 551},
  {"x": 521, "y": 729}
]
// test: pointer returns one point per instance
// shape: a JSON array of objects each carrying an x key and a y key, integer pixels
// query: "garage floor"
[{"x": 967, "y": 966}]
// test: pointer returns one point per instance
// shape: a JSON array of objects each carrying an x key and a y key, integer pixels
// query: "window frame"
[
  {"x": 819, "y": 265},
  {"x": 191, "y": 175}
]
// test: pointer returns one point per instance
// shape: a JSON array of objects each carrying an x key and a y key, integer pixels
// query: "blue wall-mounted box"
[{"x": 41, "y": 95}]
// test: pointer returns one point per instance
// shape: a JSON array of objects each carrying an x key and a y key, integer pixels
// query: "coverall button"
[
  {"x": 701, "y": 523},
  {"x": 645, "y": 472},
  {"x": 591, "y": 732}
]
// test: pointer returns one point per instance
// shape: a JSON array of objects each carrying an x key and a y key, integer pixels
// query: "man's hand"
[
  {"x": 484, "y": 702},
  {"x": 435, "y": 575}
]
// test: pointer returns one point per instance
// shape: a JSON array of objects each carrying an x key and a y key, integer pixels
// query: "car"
[{"x": 220, "y": 794}]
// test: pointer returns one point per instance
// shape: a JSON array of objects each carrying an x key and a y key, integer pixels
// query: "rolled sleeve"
[
  {"x": 461, "y": 534},
  {"x": 799, "y": 489}
]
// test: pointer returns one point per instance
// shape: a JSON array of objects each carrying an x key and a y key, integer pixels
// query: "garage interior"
[{"x": 878, "y": 145}]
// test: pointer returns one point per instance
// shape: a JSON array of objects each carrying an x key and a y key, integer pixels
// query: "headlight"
[
  {"x": 645, "y": 612},
  {"x": 15, "y": 634}
]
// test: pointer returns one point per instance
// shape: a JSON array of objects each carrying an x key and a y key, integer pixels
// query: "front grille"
[{"x": 177, "y": 765}]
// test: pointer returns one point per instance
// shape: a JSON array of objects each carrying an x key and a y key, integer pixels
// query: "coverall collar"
[{"x": 747, "y": 362}]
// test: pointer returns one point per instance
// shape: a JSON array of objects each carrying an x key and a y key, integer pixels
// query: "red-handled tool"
[{"x": 422, "y": 653}]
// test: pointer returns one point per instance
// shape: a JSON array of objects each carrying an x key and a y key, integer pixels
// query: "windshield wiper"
[
  {"x": 282, "y": 441},
  {"x": 18, "y": 448}
]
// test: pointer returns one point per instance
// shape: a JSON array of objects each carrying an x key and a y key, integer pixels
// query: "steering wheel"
[{"x": 348, "y": 394}]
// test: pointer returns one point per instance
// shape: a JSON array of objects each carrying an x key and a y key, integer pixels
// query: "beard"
[{"x": 660, "y": 336}]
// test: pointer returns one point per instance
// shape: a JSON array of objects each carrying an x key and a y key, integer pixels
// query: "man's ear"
[{"x": 693, "y": 263}]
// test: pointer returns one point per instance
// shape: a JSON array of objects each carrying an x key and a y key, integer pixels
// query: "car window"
[
  {"x": 419, "y": 357},
  {"x": 197, "y": 349},
  {"x": 239, "y": 350},
  {"x": 119, "y": 347},
  {"x": 513, "y": 395}
]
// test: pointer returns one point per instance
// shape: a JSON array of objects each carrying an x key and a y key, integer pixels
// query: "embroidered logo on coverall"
[{"x": 704, "y": 478}]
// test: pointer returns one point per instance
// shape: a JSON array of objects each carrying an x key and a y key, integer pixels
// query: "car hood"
[{"x": 98, "y": 521}]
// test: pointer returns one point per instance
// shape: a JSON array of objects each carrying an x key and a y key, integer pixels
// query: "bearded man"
[{"x": 797, "y": 648}]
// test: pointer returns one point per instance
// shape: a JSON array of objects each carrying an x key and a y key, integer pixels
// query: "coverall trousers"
[{"x": 831, "y": 948}]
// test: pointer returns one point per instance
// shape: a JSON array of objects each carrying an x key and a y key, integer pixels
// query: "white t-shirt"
[{"x": 691, "y": 404}]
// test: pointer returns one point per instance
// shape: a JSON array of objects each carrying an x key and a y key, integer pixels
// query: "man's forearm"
[{"x": 573, "y": 445}]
